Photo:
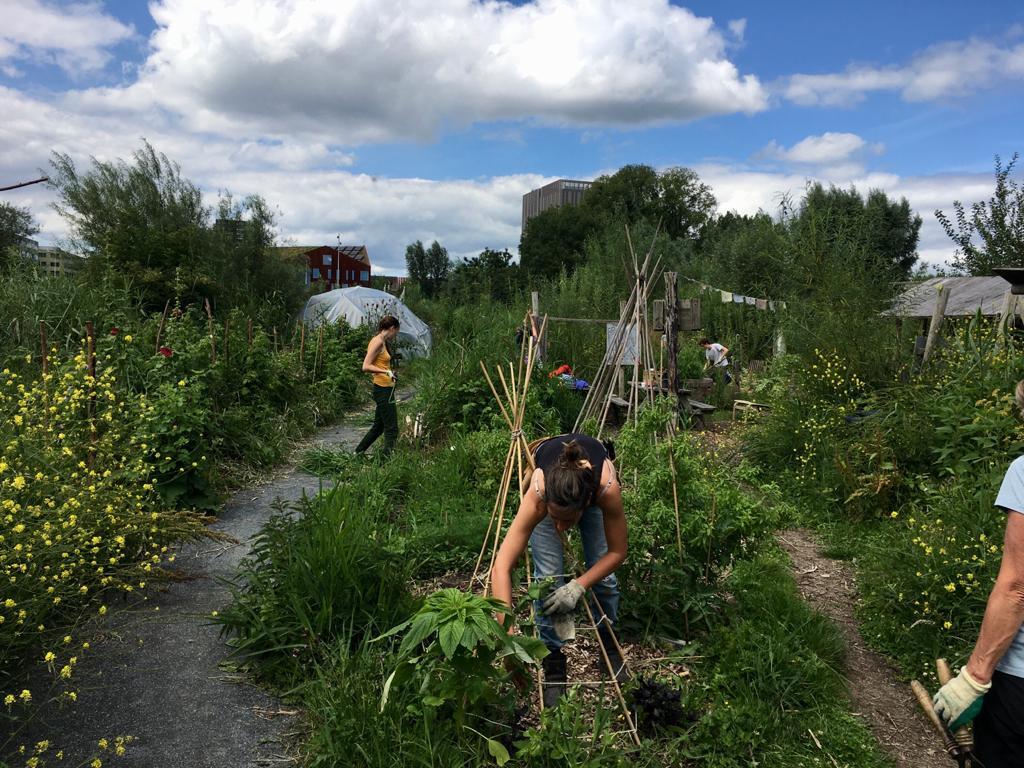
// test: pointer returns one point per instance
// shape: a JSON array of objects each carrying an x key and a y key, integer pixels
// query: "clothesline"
[{"x": 728, "y": 297}]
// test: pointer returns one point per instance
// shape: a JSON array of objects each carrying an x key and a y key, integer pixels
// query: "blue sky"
[{"x": 393, "y": 120}]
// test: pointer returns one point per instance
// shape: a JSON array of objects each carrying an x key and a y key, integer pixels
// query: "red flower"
[
  {"x": 165, "y": 351},
  {"x": 114, "y": 331}
]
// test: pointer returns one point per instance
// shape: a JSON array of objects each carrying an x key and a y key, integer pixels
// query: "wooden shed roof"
[{"x": 966, "y": 296}]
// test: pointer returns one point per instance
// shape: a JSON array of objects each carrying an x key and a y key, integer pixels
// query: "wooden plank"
[
  {"x": 942, "y": 292},
  {"x": 580, "y": 320},
  {"x": 671, "y": 331}
]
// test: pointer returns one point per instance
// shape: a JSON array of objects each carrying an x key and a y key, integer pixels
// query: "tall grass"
[{"x": 317, "y": 576}]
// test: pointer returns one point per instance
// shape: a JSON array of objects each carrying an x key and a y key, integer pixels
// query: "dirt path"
[
  {"x": 878, "y": 696},
  {"x": 154, "y": 671}
]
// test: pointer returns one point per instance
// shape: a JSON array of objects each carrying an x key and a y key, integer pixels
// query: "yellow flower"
[
  {"x": 18, "y": 483},
  {"x": 25, "y": 696}
]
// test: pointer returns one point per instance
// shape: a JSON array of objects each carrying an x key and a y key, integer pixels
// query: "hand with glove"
[
  {"x": 959, "y": 701},
  {"x": 391, "y": 375},
  {"x": 563, "y": 599}
]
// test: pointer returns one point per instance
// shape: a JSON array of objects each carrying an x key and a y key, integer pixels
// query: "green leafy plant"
[{"x": 450, "y": 651}]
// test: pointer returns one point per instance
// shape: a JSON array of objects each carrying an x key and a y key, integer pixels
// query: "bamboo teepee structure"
[{"x": 634, "y": 320}]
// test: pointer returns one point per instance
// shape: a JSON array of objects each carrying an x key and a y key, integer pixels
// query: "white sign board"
[{"x": 629, "y": 349}]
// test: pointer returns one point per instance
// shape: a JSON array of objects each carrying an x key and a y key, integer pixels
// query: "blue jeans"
[{"x": 548, "y": 561}]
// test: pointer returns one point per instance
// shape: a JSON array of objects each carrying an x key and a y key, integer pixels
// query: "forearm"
[
  {"x": 1004, "y": 615},
  {"x": 501, "y": 588},
  {"x": 374, "y": 369},
  {"x": 602, "y": 568}
]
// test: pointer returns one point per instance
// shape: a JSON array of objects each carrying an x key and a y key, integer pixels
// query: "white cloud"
[
  {"x": 371, "y": 70},
  {"x": 72, "y": 35},
  {"x": 829, "y": 148},
  {"x": 941, "y": 71},
  {"x": 738, "y": 27},
  {"x": 320, "y": 196}
]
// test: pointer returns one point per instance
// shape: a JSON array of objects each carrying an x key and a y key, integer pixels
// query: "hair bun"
[{"x": 572, "y": 454}]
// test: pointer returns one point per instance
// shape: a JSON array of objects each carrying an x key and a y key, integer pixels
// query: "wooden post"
[
  {"x": 542, "y": 343},
  {"x": 302, "y": 343},
  {"x": 275, "y": 339},
  {"x": 248, "y": 332},
  {"x": 941, "y": 299},
  {"x": 671, "y": 333},
  {"x": 1007, "y": 311},
  {"x": 620, "y": 378}
]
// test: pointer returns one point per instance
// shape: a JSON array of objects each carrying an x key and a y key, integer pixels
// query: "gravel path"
[
  {"x": 878, "y": 695},
  {"x": 154, "y": 672}
]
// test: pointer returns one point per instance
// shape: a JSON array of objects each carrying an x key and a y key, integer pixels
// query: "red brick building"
[{"x": 330, "y": 266}]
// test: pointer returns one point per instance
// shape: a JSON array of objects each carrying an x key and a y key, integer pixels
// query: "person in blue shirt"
[{"x": 990, "y": 688}]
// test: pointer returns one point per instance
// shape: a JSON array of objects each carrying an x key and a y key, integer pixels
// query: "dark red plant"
[
  {"x": 165, "y": 351},
  {"x": 114, "y": 331}
]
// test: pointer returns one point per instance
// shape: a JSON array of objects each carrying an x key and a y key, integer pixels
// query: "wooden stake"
[{"x": 942, "y": 297}]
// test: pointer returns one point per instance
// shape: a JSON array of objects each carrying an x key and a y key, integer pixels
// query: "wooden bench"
[
  {"x": 747, "y": 405},
  {"x": 697, "y": 410}
]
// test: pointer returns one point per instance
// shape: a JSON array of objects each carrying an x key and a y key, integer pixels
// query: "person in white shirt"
[
  {"x": 718, "y": 357},
  {"x": 990, "y": 688}
]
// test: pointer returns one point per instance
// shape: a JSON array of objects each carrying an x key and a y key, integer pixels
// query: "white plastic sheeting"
[{"x": 360, "y": 306}]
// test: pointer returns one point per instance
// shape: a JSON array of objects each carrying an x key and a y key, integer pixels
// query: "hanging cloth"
[{"x": 726, "y": 297}]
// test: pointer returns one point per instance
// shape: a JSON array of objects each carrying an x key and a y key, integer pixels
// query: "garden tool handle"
[
  {"x": 963, "y": 735},
  {"x": 925, "y": 700}
]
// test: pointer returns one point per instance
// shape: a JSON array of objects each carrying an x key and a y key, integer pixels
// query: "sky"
[{"x": 389, "y": 121}]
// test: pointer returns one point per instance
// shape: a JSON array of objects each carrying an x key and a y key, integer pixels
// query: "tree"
[
  {"x": 553, "y": 240},
  {"x": 438, "y": 266},
  {"x": 240, "y": 258},
  {"x": 16, "y": 224},
  {"x": 142, "y": 222},
  {"x": 998, "y": 223},
  {"x": 427, "y": 267},
  {"x": 416, "y": 263},
  {"x": 833, "y": 223},
  {"x": 490, "y": 274},
  {"x": 676, "y": 197},
  {"x": 749, "y": 254}
]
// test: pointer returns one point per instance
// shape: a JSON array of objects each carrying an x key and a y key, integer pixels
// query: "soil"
[
  {"x": 878, "y": 695},
  {"x": 159, "y": 671}
]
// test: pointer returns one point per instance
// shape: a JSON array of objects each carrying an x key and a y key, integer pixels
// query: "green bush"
[
  {"x": 926, "y": 572},
  {"x": 671, "y": 577}
]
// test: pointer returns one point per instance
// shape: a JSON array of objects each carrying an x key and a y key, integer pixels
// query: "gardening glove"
[
  {"x": 564, "y": 625},
  {"x": 959, "y": 701},
  {"x": 391, "y": 375},
  {"x": 563, "y": 599}
]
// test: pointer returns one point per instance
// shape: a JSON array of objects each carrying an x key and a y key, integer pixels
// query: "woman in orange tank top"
[{"x": 378, "y": 362}]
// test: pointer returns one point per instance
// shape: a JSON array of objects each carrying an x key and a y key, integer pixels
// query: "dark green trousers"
[{"x": 385, "y": 421}]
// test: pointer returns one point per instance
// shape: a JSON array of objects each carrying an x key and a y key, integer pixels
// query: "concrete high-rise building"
[{"x": 561, "y": 192}]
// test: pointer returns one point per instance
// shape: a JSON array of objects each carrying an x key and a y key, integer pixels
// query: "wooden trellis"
[{"x": 634, "y": 318}]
